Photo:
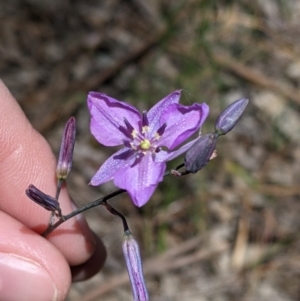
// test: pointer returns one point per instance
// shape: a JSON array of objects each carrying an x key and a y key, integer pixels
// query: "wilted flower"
[
  {"x": 134, "y": 267},
  {"x": 200, "y": 153},
  {"x": 64, "y": 163},
  {"x": 149, "y": 140},
  {"x": 230, "y": 116},
  {"x": 42, "y": 199}
]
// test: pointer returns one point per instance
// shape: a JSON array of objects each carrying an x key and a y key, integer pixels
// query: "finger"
[
  {"x": 31, "y": 268},
  {"x": 92, "y": 266},
  {"x": 26, "y": 158}
]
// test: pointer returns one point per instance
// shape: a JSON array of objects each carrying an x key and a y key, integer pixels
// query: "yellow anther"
[
  {"x": 157, "y": 136},
  {"x": 145, "y": 129},
  {"x": 134, "y": 134},
  {"x": 145, "y": 144}
]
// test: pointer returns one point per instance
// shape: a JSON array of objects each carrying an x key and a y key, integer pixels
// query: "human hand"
[{"x": 33, "y": 267}]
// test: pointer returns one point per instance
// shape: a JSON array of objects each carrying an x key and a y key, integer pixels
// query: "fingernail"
[{"x": 24, "y": 279}]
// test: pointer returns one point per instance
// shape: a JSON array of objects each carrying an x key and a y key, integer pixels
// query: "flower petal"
[
  {"x": 182, "y": 122},
  {"x": 107, "y": 115},
  {"x": 155, "y": 112},
  {"x": 140, "y": 198},
  {"x": 165, "y": 156},
  {"x": 140, "y": 180},
  {"x": 112, "y": 165}
]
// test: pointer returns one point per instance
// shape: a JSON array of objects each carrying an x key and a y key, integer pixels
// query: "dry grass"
[{"x": 230, "y": 232}]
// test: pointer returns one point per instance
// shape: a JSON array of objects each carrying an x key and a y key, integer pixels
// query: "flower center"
[
  {"x": 142, "y": 140},
  {"x": 145, "y": 144}
]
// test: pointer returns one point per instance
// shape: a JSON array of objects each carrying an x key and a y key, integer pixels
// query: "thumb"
[{"x": 31, "y": 268}]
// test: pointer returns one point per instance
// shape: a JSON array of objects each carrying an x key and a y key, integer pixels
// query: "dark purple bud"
[
  {"x": 230, "y": 116},
  {"x": 200, "y": 153},
  {"x": 42, "y": 199},
  {"x": 134, "y": 267},
  {"x": 64, "y": 164}
]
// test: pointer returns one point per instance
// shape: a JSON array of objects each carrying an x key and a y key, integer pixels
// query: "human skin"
[{"x": 33, "y": 267}]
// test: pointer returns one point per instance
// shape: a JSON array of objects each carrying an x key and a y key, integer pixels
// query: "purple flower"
[
  {"x": 133, "y": 260},
  {"x": 149, "y": 140}
]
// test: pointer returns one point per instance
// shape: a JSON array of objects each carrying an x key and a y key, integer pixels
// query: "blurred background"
[{"x": 229, "y": 232}]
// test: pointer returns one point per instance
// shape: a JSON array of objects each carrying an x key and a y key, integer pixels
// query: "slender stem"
[
  {"x": 115, "y": 212},
  {"x": 58, "y": 213},
  {"x": 95, "y": 203},
  {"x": 175, "y": 172},
  {"x": 179, "y": 166},
  {"x": 100, "y": 201},
  {"x": 58, "y": 187}
]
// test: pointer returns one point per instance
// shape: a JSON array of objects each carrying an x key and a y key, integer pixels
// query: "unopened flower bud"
[
  {"x": 134, "y": 267},
  {"x": 64, "y": 164},
  {"x": 42, "y": 199},
  {"x": 200, "y": 153},
  {"x": 230, "y": 116}
]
